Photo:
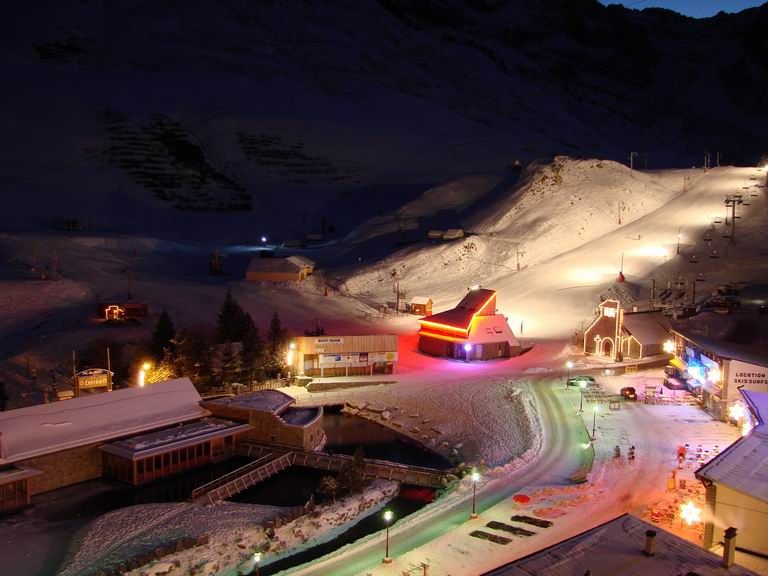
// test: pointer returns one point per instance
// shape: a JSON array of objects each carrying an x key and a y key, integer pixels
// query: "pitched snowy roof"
[
  {"x": 461, "y": 316},
  {"x": 301, "y": 261},
  {"x": 47, "y": 428},
  {"x": 743, "y": 466},
  {"x": 486, "y": 329},
  {"x": 723, "y": 349},
  {"x": 423, "y": 300},
  {"x": 616, "y": 547},
  {"x": 647, "y": 327}
]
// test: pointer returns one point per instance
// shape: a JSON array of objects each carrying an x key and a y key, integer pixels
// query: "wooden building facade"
[{"x": 357, "y": 355}]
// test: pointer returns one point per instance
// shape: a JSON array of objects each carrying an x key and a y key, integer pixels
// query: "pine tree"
[
  {"x": 328, "y": 487},
  {"x": 162, "y": 337},
  {"x": 194, "y": 355},
  {"x": 250, "y": 353},
  {"x": 277, "y": 338},
  {"x": 352, "y": 474},
  {"x": 233, "y": 321},
  {"x": 229, "y": 369},
  {"x": 3, "y": 396}
]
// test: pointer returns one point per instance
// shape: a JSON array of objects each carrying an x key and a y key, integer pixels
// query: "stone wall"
[
  {"x": 269, "y": 428},
  {"x": 64, "y": 468}
]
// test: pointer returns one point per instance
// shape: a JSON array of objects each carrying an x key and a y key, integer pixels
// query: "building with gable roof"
[
  {"x": 473, "y": 330},
  {"x": 617, "y": 333},
  {"x": 736, "y": 482}
]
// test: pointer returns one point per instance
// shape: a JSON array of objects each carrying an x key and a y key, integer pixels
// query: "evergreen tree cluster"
[{"x": 232, "y": 352}]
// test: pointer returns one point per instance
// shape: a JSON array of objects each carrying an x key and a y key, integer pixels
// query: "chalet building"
[
  {"x": 420, "y": 305},
  {"x": 618, "y": 334},
  {"x": 714, "y": 370},
  {"x": 473, "y": 330},
  {"x": 272, "y": 418},
  {"x": 354, "y": 355},
  {"x": 627, "y": 546},
  {"x": 291, "y": 269},
  {"x": 736, "y": 483}
]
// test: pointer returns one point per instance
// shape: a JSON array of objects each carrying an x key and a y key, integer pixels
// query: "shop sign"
[
  {"x": 93, "y": 378},
  {"x": 329, "y": 341},
  {"x": 382, "y": 357},
  {"x": 751, "y": 376}
]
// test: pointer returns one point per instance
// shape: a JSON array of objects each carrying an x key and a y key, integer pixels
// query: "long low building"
[
  {"x": 715, "y": 370},
  {"x": 736, "y": 482},
  {"x": 140, "y": 435},
  {"x": 348, "y": 355},
  {"x": 54, "y": 445}
]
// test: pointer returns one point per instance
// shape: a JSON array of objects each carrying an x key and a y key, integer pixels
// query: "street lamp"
[
  {"x": 475, "y": 477},
  {"x": 387, "y": 519},
  {"x": 256, "y": 560},
  {"x": 582, "y": 385},
  {"x": 568, "y": 366},
  {"x": 669, "y": 346},
  {"x": 143, "y": 374},
  {"x": 595, "y": 408},
  {"x": 467, "y": 350}
]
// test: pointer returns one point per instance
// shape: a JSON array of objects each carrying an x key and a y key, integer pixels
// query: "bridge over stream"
[{"x": 270, "y": 460}]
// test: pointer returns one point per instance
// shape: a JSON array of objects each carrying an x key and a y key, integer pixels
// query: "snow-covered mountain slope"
[
  {"x": 562, "y": 225},
  {"x": 272, "y": 116}
]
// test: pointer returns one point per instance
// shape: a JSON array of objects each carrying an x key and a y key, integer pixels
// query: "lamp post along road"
[
  {"x": 568, "y": 366},
  {"x": 387, "y": 519},
  {"x": 582, "y": 385},
  {"x": 475, "y": 477},
  {"x": 595, "y": 408}
]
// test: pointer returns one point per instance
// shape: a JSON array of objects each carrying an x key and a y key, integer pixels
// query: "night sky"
[{"x": 695, "y": 8}]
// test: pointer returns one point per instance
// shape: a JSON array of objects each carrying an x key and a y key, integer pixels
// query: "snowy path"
[{"x": 555, "y": 462}]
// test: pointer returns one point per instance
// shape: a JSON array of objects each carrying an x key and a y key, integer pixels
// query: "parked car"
[
  {"x": 577, "y": 381},
  {"x": 675, "y": 383},
  {"x": 629, "y": 393}
]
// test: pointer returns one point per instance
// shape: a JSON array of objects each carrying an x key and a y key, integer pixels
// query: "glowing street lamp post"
[
  {"x": 568, "y": 366},
  {"x": 387, "y": 519},
  {"x": 256, "y": 560},
  {"x": 467, "y": 350},
  {"x": 475, "y": 477},
  {"x": 582, "y": 385},
  {"x": 595, "y": 408},
  {"x": 143, "y": 374}
]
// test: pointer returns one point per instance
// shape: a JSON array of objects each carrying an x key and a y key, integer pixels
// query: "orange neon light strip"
[
  {"x": 444, "y": 326},
  {"x": 459, "y": 328},
  {"x": 441, "y": 336}
]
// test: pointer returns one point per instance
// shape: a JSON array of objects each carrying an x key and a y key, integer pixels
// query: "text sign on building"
[
  {"x": 751, "y": 376},
  {"x": 332, "y": 341},
  {"x": 93, "y": 378}
]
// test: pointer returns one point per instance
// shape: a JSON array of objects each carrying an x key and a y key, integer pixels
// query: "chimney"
[
  {"x": 729, "y": 547},
  {"x": 650, "y": 542}
]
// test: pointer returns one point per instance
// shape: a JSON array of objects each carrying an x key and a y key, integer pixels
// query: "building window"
[
  {"x": 175, "y": 457},
  {"x": 166, "y": 460}
]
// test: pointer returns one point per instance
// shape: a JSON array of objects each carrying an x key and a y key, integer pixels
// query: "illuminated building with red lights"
[{"x": 473, "y": 330}]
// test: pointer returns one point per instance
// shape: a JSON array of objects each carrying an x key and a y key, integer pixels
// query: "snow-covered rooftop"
[
  {"x": 616, "y": 547},
  {"x": 264, "y": 400},
  {"x": 743, "y": 466},
  {"x": 725, "y": 349},
  {"x": 173, "y": 438},
  {"x": 421, "y": 300},
  {"x": 301, "y": 416},
  {"x": 301, "y": 261},
  {"x": 486, "y": 329},
  {"x": 647, "y": 327},
  {"x": 47, "y": 428},
  {"x": 462, "y": 314}
]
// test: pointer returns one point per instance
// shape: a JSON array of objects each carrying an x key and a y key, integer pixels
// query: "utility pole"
[
  {"x": 618, "y": 210},
  {"x": 718, "y": 159},
  {"x": 731, "y": 201},
  {"x": 518, "y": 253},
  {"x": 632, "y": 161},
  {"x": 679, "y": 231}
]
